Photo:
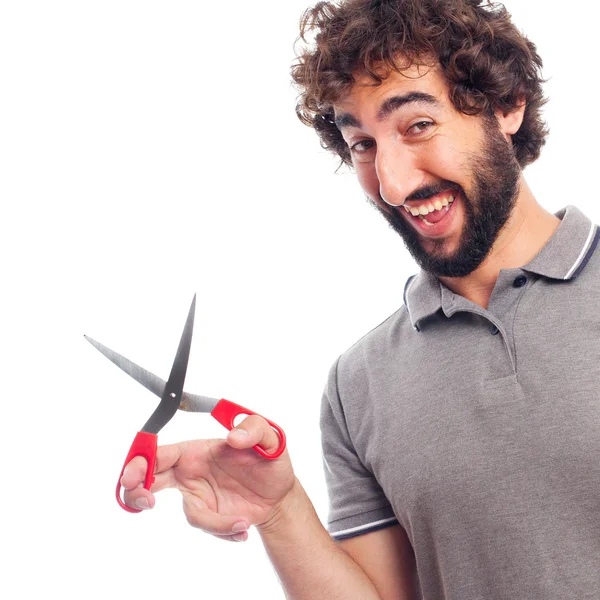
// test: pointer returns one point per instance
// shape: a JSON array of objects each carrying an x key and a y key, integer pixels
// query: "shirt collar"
[
  {"x": 563, "y": 257},
  {"x": 422, "y": 297},
  {"x": 569, "y": 249}
]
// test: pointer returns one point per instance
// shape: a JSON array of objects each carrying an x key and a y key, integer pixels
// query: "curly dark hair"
[{"x": 488, "y": 64}]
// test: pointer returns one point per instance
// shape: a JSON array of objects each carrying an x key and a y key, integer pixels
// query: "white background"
[{"x": 150, "y": 150}]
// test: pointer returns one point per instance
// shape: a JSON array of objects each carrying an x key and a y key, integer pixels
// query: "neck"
[{"x": 528, "y": 229}]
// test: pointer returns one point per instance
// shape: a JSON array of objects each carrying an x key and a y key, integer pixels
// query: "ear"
[{"x": 511, "y": 122}]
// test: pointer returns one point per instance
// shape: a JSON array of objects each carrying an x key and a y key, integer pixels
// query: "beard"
[{"x": 495, "y": 174}]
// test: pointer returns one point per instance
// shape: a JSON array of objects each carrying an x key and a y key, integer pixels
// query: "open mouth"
[{"x": 431, "y": 212}]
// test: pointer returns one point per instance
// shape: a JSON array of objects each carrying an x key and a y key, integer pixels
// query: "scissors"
[{"x": 172, "y": 398}]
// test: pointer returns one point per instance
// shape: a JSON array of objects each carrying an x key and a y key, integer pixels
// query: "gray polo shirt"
[{"x": 479, "y": 430}]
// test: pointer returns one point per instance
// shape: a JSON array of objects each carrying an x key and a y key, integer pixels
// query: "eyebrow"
[
  {"x": 388, "y": 107},
  {"x": 346, "y": 120}
]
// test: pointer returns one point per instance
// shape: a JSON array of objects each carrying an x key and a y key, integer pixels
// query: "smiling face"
[{"x": 445, "y": 181}]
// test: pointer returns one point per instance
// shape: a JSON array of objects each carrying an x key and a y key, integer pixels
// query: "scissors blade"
[
  {"x": 152, "y": 382},
  {"x": 195, "y": 403},
  {"x": 173, "y": 390},
  {"x": 149, "y": 380}
]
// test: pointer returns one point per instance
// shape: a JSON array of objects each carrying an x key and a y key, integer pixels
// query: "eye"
[
  {"x": 419, "y": 127},
  {"x": 363, "y": 151},
  {"x": 362, "y": 147}
]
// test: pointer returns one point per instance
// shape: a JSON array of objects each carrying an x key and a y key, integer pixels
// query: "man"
[{"x": 462, "y": 436}]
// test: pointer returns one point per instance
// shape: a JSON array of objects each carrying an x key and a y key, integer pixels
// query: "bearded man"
[{"x": 461, "y": 436}]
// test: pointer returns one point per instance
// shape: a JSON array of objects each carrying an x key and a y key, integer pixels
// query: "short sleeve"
[{"x": 357, "y": 504}]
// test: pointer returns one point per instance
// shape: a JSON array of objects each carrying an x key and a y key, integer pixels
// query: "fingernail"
[
  {"x": 239, "y": 527},
  {"x": 142, "y": 503},
  {"x": 240, "y": 537},
  {"x": 238, "y": 434}
]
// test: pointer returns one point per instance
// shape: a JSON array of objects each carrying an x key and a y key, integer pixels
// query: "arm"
[
  {"x": 387, "y": 557},
  {"x": 311, "y": 566},
  {"x": 227, "y": 483}
]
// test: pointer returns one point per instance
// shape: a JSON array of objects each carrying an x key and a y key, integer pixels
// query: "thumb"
[{"x": 252, "y": 431}]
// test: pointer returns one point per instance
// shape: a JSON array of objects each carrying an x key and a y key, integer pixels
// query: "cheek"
[
  {"x": 457, "y": 147},
  {"x": 368, "y": 180},
  {"x": 447, "y": 161}
]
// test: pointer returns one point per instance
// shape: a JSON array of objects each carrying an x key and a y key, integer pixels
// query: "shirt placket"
[{"x": 499, "y": 317}]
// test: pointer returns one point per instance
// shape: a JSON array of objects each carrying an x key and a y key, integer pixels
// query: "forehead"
[{"x": 365, "y": 96}]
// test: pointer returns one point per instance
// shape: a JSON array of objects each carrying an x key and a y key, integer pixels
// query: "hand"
[{"x": 226, "y": 486}]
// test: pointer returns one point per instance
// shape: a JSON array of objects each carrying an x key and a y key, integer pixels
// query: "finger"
[
  {"x": 139, "y": 498},
  {"x": 134, "y": 475},
  {"x": 238, "y": 537},
  {"x": 134, "y": 472},
  {"x": 251, "y": 431},
  {"x": 166, "y": 458},
  {"x": 200, "y": 516},
  {"x": 132, "y": 482}
]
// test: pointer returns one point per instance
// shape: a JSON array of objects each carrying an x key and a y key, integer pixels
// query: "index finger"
[
  {"x": 135, "y": 471},
  {"x": 136, "y": 496}
]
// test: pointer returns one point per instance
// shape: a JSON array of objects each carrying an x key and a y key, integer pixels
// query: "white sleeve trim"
[{"x": 363, "y": 527}]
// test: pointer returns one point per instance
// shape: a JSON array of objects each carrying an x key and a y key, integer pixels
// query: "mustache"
[{"x": 429, "y": 191}]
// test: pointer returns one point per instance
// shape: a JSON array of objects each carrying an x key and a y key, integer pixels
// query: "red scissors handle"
[
  {"x": 225, "y": 412},
  {"x": 144, "y": 445}
]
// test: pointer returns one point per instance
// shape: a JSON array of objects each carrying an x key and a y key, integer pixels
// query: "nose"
[{"x": 398, "y": 173}]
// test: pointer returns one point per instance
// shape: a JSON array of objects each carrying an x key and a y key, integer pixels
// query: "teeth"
[{"x": 425, "y": 209}]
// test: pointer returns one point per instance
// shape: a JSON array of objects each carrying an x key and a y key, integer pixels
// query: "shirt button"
[
  {"x": 520, "y": 281},
  {"x": 494, "y": 330}
]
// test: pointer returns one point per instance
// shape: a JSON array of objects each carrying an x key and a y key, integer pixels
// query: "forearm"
[{"x": 309, "y": 563}]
